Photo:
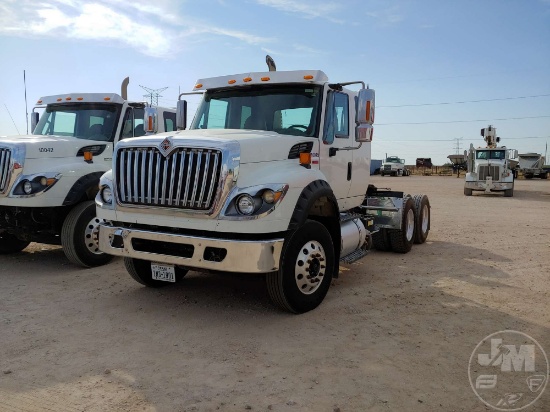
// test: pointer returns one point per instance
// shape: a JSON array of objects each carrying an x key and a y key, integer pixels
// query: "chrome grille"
[
  {"x": 485, "y": 171},
  {"x": 5, "y": 169},
  {"x": 185, "y": 179}
]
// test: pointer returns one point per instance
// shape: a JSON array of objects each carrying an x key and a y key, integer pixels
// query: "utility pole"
[
  {"x": 457, "y": 147},
  {"x": 153, "y": 95}
]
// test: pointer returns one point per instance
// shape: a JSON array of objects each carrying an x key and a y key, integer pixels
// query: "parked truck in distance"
[
  {"x": 490, "y": 169},
  {"x": 271, "y": 178},
  {"x": 49, "y": 179},
  {"x": 394, "y": 166},
  {"x": 532, "y": 165}
]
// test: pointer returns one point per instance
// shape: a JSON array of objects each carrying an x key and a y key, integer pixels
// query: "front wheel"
[
  {"x": 305, "y": 270},
  {"x": 140, "y": 270},
  {"x": 402, "y": 239},
  {"x": 467, "y": 192},
  {"x": 11, "y": 244},
  {"x": 79, "y": 236}
]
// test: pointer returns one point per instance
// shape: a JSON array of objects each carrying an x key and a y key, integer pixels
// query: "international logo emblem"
[{"x": 166, "y": 146}]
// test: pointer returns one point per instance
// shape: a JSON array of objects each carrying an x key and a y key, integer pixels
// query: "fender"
[
  {"x": 317, "y": 201},
  {"x": 81, "y": 187}
]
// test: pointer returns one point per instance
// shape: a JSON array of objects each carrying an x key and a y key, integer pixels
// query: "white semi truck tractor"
[
  {"x": 49, "y": 179},
  {"x": 490, "y": 168},
  {"x": 271, "y": 178}
]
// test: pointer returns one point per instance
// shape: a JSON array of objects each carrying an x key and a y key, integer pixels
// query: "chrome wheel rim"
[
  {"x": 409, "y": 222},
  {"x": 310, "y": 267},
  {"x": 425, "y": 219},
  {"x": 91, "y": 235}
]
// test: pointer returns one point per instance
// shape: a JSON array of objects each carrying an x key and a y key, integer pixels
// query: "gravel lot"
[{"x": 395, "y": 332}]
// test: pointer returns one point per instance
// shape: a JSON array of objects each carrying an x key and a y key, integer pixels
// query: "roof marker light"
[
  {"x": 79, "y": 98},
  {"x": 39, "y": 102},
  {"x": 308, "y": 77},
  {"x": 107, "y": 98},
  {"x": 59, "y": 99},
  {"x": 232, "y": 81},
  {"x": 266, "y": 79},
  {"x": 68, "y": 98},
  {"x": 247, "y": 79},
  {"x": 198, "y": 85}
]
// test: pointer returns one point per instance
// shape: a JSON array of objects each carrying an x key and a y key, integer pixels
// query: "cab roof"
[
  {"x": 252, "y": 78},
  {"x": 81, "y": 98}
]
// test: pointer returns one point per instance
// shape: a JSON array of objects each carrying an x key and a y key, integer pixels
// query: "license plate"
[{"x": 166, "y": 273}]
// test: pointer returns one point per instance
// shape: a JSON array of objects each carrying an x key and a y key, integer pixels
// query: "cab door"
[{"x": 336, "y": 164}]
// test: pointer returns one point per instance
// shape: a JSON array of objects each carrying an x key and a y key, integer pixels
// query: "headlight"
[
  {"x": 245, "y": 204},
  {"x": 107, "y": 195},
  {"x": 27, "y": 187}
]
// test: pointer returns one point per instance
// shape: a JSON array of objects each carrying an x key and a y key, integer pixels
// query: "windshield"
[
  {"x": 490, "y": 154},
  {"x": 93, "y": 121},
  {"x": 394, "y": 160},
  {"x": 284, "y": 109}
]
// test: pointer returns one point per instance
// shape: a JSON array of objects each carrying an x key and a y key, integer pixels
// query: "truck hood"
[
  {"x": 40, "y": 147},
  {"x": 256, "y": 146}
]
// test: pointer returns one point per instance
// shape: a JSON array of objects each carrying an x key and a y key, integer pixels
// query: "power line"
[
  {"x": 12, "y": 119},
  {"x": 462, "y": 121},
  {"x": 467, "y": 101},
  {"x": 454, "y": 138},
  {"x": 153, "y": 95}
]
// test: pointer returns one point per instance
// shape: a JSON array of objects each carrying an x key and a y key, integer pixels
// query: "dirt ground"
[{"x": 395, "y": 332}]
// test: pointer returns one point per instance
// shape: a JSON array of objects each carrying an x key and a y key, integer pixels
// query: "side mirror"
[
  {"x": 34, "y": 120},
  {"x": 364, "y": 116},
  {"x": 150, "y": 120},
  {"x": 363, "y": 133},
  {"x": 181, "y": 115},
  {"x": 365, "y": 107}
]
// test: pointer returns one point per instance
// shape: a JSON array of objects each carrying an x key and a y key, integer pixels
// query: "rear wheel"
[
  {"x": 79, "y": 236},
  {"x": 544, "y": 176},
  {"x": 305, "y": 269},
  {"x": 381, "y": 240},
  {"x": 509, "y": 192},
  {"x": 467, "y": 192},
  {"x": 422, "y": 224},
  {"x": 402, "y": 240},
  {"x": 140, "y": 270},
  {"x": 11, "y": 244}
]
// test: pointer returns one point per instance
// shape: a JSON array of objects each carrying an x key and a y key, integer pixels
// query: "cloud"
[
  {"x": 153, "y": 29},
  {"x": 388, "y": 16},
  {"x": 305, "y": 9}
]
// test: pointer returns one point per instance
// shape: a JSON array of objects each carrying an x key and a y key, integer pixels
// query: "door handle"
[{"x": 349, "y": 170}]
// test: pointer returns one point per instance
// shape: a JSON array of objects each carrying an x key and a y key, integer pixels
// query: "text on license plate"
[{"x": 166, "y": 273}]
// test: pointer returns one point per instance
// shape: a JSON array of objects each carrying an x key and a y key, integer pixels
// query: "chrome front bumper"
[
  {"x": 489, "y": 185},
  {"x": 240, "y": 256}
]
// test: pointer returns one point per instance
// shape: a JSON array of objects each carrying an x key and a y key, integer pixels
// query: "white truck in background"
[
  {"x": 48, "y": 180},
  {"x": 490, "y": 169},
  {"x": 532, "y": 165},
  {"x": 271, "y": 179},
  {"x": 394, "y": 166}
]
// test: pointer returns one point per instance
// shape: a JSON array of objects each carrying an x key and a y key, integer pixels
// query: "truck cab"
[
  {"x": 48, "y": 179},
  {"x": 490, "y": 168},
  {"x": 270, "y": 178},
  {"x": 394, "y": 166}
]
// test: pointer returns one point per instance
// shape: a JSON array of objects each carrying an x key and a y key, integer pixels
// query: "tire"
[
  {"x": 11, "y": 244},
  {"x": 467, "y": 192},
  {"x": 402, "y": 239},
  {"x": 381, "y": 240},
  {"x": 79, "y": 236},
  {"x": 308, "y": 251},
  {"x": 509, "y": 192},
  {"x": 528, "y": 176},
  {"x": 544, "y": 176},
  {"x": 140, "y": 270},
  {"x": 423, "y": 218}
]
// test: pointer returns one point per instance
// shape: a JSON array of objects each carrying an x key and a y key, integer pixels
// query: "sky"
[{"x": 442, "y": 69}]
